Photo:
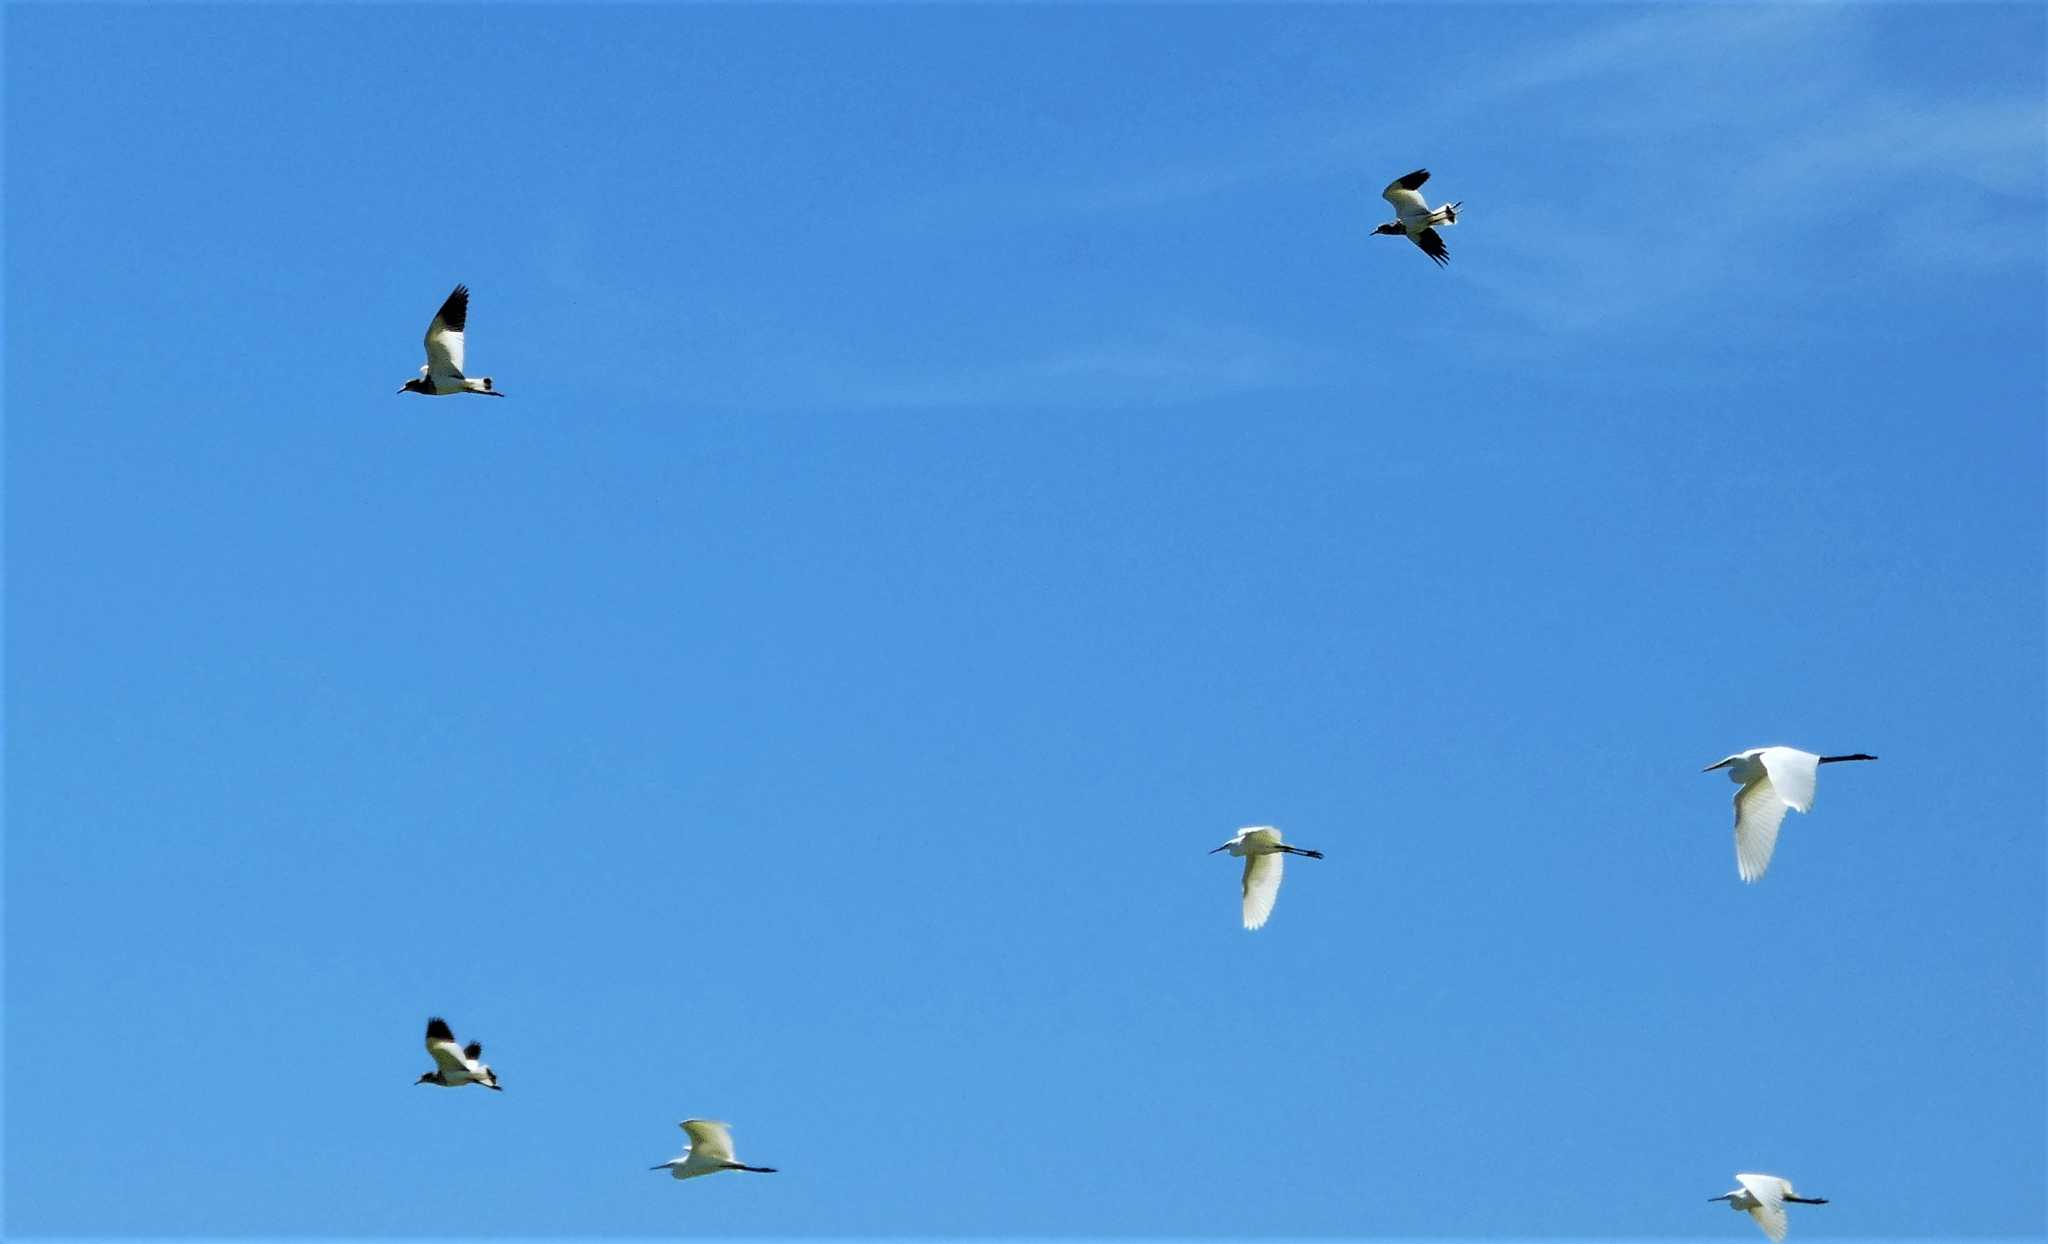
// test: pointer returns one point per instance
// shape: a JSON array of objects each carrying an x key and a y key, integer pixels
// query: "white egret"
[
  {"x": 443, "y": 373},
  {"x": 1264, "y": 855},
  {"x": 1763, "y": 1198},
  {"x": 710, "y": 1151},
  {"x": 1772, "y": 780},
  {"x": 455, "y": 1065},
  {"x": 1417, "y": 221}
]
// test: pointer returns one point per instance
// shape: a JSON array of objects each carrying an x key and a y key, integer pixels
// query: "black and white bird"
[
  {"x": 455, "y": 1065},
  {"x": 710, "y": 1151},
  {"x": 1763, "y": 1198},
  {"x": 443, "y": 373},
  {"x": 1264, "y": 861},
  {"x": 1772, "y": 780},
  {"x": 1416, "y": 219}
]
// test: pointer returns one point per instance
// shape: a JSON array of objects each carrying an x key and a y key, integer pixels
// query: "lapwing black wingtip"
[
  {"x": 1414, "y": 180},
  {"x": 438, "y": 1030},
  {"x": 454, "y": 310}
]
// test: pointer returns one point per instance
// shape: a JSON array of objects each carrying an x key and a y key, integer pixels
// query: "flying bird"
[
  {"x": 443, "y": 373},
  {"x": 455, "y": 1065},
  {"x": 1772, "y": 779},
  {"x": 710, "y": 1151},
  {"x": 1763, "y": 1198},
  {"x": 1416, "y": 219},
  {"x": 1264, "y": 860}
]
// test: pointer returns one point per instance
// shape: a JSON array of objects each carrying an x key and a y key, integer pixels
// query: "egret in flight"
[
  {"x": 1763, "y": 1198},
  {"x": 1264, "y": 855},
  {"x": 455, "y": 1065},
  {"x": 710, "y": 1151},
  {"x": 1772, "y": 780}
]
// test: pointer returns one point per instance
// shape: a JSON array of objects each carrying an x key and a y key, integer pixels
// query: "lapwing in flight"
[
  {"x": 443, "y": 373},
  {"x": 1417, "y": 220},
  {"x": 455, "y": 1065},
  {"x": 710, "y": 1151}
]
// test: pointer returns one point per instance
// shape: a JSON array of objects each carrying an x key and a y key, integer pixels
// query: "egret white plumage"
[
  {"x": 455, "y": 1065},
  {"x": 1772, "y": 780},
  {"x": 1415, "y": 218},
  {"x": 1264, "y": 862},
  {"x": 442, "y": 374},
  {"x": 1763, "y": 1198},
  {"x": 710, "y": 1151}
]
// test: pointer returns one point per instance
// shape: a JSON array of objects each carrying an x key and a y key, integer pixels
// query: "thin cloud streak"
[
  {"x": 1172, "y": 366},
  {"x": 1698, "y": 35},
  {"x": 1808, "y": 152}
]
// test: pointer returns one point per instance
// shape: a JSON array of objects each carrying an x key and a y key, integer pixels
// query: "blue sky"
[{"x": 960, "y": 464}]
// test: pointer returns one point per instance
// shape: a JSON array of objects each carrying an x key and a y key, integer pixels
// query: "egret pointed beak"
[
  {"x": 1709, "y": 769},
  {"x": 1723, "y": 1197},
  {"x": 1224, "y": 847},
  {"x": 664, "y": 1166}
]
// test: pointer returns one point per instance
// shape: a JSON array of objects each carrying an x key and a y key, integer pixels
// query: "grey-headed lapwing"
[
  {"x": 455, "y": 1065},
  {"x": 443, "y": 373},
  {"x": 1763, "y": 1198},
  {"x": 710, "y": 1151},
  {"x": 1264, "y": 855},
  {"x": 1417, "y": 220}
]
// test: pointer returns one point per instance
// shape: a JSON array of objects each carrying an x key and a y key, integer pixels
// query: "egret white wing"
[
  {"x": 444, "y": 335},
  {"x": 709, "y": 1139},
  {"x": 1261, "y": 886},
  {"x": 1792, "y": 772},
  {"x": 1769, "y": 1210},
  {"x": 1758, "y": 813}
]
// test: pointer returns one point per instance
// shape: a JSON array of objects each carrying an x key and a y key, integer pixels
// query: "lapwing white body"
[
  {"x": 710, "y": 1151},
  {"x": 1772, "y": 780},
  {"x": 455, "y": 1065},
  {"x": 1763, "y": 1197},
  {"x": 443, "y": 373},
  {"x": 1416, "y": 219},
  {"x": 1264, "y": 860}
]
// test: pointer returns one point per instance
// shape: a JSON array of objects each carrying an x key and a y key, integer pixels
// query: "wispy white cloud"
[
  {"x": 1167, "y": 365},
  {"x": 1702, "y": 35},
  {"x": 1309, "y": 147},
  {"x": 1711, "y": 146}
]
